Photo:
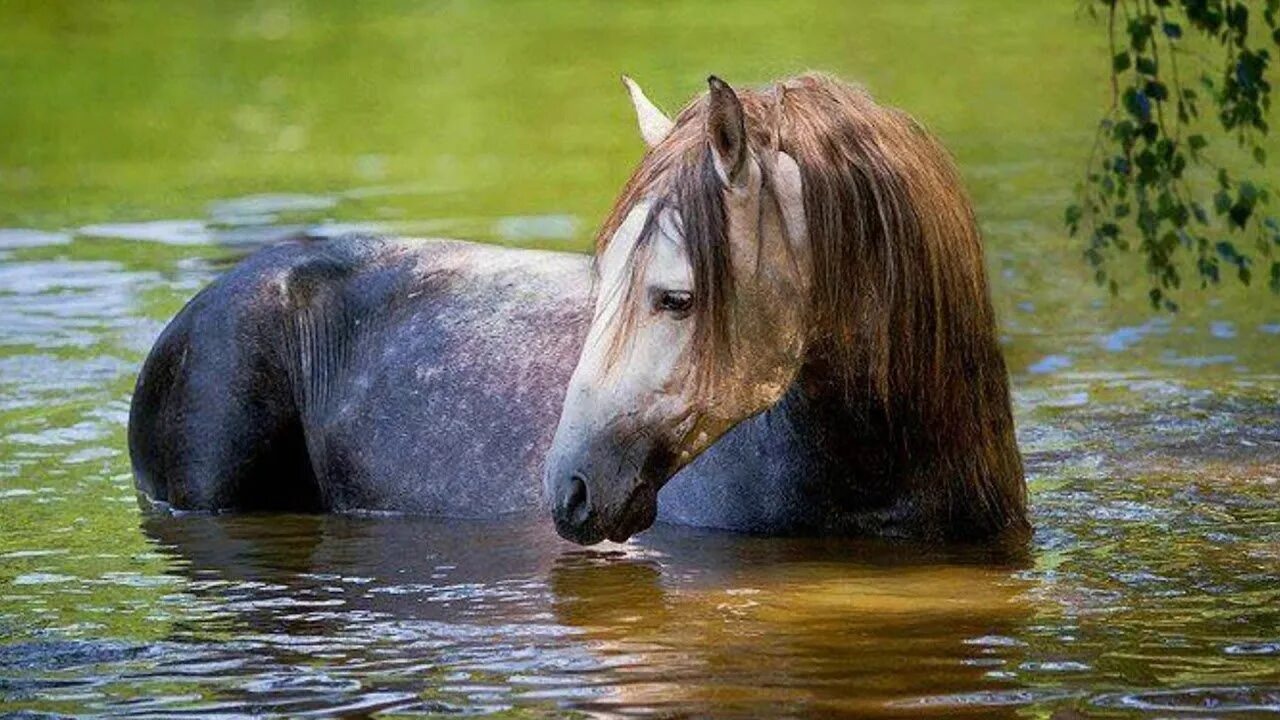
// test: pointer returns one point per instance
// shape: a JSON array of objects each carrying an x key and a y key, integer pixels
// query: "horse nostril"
[{"x": 575, "y": 505}]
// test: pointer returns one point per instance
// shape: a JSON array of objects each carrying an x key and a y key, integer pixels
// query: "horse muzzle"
[
  {"x": 580, "y": 518},
  {"x": 577, "y": 520},
  {"x": 589, "y": 504}
]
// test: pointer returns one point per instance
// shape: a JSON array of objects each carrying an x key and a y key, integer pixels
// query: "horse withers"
[{"x": 787, "y": 325}]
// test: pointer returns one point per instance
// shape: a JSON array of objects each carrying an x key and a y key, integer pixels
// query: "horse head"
[{"x": 703, "y": 281}]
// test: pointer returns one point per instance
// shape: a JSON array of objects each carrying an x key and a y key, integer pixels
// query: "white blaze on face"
[
  {"x": 624, "y": 382},
  {"x": 636, "y": 375}
]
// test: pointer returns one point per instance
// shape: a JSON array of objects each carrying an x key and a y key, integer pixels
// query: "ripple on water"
[
  {"x": 991, "y": 698},
  {"x": 1124, "y": 338},
  {"x": 1196, "y": 361},
  {"x": 167, "y": 232},
  {"x": 1256, "y": 648},
  {"x": 41, "y": 578},
  {"x": 17, "y": 238},
  {"x": 1222, "y": 329},
  {"x": 537, "y": 227},
  {"x": 267, "y": 208},
  {"x": 1197, "y": 699},
  {"x": 81, "y": 432},
  {"x": 51, "y": 655},
  {"x": 1050, "y": 364}
]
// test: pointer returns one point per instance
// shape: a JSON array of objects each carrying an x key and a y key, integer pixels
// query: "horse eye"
[{"x": 676, "y": 302}]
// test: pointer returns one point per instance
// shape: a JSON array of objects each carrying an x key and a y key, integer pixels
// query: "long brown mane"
[{"x": 902, "y": 328}]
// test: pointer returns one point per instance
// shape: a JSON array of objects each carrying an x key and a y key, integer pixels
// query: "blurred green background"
[{"x": 472, "y": 112}]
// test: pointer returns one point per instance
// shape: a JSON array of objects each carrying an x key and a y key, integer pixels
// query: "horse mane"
[{"x": 901, "y": 323}]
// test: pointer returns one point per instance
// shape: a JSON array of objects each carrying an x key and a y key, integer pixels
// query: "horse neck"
[
  {"x": 884, "y": 467},
  {"x": 844, "y": 440}
]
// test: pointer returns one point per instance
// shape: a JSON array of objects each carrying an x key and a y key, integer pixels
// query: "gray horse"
[{"x": 787, "y": 325}]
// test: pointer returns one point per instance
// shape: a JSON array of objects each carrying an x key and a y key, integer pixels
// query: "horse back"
[
  {"x": 448, "y": 399},
  {"x": 362, "y": 373}
]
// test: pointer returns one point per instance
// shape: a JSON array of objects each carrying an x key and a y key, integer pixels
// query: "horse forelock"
[
  {"x": 899, "y": 307},
  {"x": 679, "y": 180}
]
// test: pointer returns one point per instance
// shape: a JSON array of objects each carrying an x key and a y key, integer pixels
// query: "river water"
[{"x": 147, "y": 148}]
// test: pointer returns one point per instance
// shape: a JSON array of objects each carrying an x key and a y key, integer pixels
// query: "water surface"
[{"x": 147, "y": 145}]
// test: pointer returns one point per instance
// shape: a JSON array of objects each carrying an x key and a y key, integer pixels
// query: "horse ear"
[
  {"x": 788, "y": 185},
  {"x": 654, "y": 124},
  {"x": 727, "y": 132}
]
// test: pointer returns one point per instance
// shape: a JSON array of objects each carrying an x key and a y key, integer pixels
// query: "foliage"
[{"x": 1153, "y": 170}]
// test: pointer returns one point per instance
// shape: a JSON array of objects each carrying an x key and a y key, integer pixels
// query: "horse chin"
[{"x": 637, "y": 515}]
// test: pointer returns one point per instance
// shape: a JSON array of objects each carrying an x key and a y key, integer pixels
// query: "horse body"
[
  {"x": 786, "y": 330},
  {"x": 363, "y": 374},
  {"x": 375, "y": 374}
]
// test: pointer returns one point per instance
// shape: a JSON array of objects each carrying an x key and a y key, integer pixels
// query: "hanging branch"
[{"x": 1136, "y": 183}]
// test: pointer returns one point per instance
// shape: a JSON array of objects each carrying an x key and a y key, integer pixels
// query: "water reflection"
[
  {"x": 500, "y": 613},
  {"x": 799, "y": 626}
]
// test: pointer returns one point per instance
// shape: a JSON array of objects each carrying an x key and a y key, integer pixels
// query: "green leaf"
[
  {"x": 1248, "y": 192},
  {"x": 1240, "y": 213},
  {"x": 1137, "y": 104}
]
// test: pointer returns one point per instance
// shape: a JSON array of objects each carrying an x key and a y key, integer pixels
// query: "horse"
[{"x": 785, "y": 329}]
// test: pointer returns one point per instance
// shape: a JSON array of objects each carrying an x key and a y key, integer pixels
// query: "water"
[{"x": 148, "y": 145}]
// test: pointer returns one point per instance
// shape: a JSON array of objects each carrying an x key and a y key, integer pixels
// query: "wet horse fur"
[{"x": 365, "y": 373}]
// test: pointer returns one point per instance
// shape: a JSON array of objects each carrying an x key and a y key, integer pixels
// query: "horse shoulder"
[{"x": 446, "y": 399}]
